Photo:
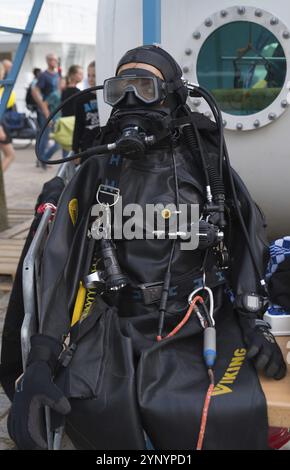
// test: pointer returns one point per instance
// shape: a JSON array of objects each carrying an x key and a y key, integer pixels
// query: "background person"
[
  {"x": 29, "y": 100},
  {"x": 7, "y": 66},
  {"x": 5, "y": 140},
  {"x": 46, "y": 85},
  {"x": 87, "y": 115},
  {"x": 74, "y": 76}
]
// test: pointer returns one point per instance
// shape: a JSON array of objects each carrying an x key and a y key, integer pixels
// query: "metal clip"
[
  {"x": 109, "y": 191},
  {"x": 93, "y": 279}
]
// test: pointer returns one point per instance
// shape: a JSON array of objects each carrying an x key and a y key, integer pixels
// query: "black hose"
[
  {"x": 224, "y": 155},
  {"x": 213, "y": 180},
  {"x": 217, "y": 185},
  {"x": 204, "y": 93},
  {"x": 242, "y": 222},
  {"x": 167, "y": 278},
  {"x": 192, "y": 138}
]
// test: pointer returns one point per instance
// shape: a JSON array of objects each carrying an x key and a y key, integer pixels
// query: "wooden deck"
[
  {"x": 12, "y": 241},
  {"x": 278, "y": 392}
]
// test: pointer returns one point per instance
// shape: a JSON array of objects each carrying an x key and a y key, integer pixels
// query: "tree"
[{"x": 3, "y": 208}]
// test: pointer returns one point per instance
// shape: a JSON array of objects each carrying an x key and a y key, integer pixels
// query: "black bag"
[
  {"x": 29, "y": 100},
  {"x": 100, "y": 382},
  {"x": 18, "y": 125},
  {"x": 279, "y": 285}
]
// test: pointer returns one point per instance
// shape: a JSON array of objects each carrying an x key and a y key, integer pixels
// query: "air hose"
[
  {"x": 192, "y": 139},
  {"x": 218, "y": 192},
  {"x": 193, "y": 91},
  {"x": 214, "y": 183}
]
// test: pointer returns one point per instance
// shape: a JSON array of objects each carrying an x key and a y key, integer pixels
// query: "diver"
[{"x": 135, "y": 332}]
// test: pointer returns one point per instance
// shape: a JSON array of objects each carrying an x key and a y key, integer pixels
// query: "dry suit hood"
[{"x": 165, "y": 63}]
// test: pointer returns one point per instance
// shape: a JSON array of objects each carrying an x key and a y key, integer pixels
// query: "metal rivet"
[
  {"x": 208, "y": 114},
  {"x": 208, "y": 22},
  {"x": 224, "y": 13},
  {"x": 286, "y": 35},
  {"x": 196, "y": 35},
  {"x": 284, "y": 103},
  {"x": 257, "y": 123},
  {"x": 272, "y": 116},
  {"x": 241, "y": 10},
  {"x": 224, "y": 123},
  {"x": 274, "y": 21},
  {"x": 188, "y": 51},
  {"x": 166, "y": 214},
  {"x": 196, "y": 103},
  {"x": 258, "y": 12},
  {"x": 185, "y": 69},
  {"x": 239, "y": 126}
]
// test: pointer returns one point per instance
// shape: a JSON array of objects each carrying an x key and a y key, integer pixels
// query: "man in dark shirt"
[
  {"x": 46, "y": 84},
  {"x": 87, "y": 116}
]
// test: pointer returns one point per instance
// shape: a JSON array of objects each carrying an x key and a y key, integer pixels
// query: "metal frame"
[
  {"x": 151, "y": 21},
  {"x": 211, "y": 24},
  {"x": 32, "y": 298},
  {"x": 20, "y": 53}
]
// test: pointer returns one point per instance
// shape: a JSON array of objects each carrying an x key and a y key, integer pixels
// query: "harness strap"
[{"x": 149, "y": 293}]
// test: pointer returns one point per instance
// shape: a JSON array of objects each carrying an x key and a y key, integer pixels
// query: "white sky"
[{"x": 17, "y": 11}]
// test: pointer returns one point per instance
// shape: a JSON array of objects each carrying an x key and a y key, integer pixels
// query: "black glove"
[
  {"x": 262, "y": 346},
  {"x": 34, "y": 390}
]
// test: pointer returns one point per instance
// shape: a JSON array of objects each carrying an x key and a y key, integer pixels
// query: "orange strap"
[{"x": 184, "y": 320}]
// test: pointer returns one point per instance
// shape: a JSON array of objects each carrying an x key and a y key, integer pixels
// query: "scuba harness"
[
  {"x": 135, "y": 138},
  {"x": 136, "y": 132}
]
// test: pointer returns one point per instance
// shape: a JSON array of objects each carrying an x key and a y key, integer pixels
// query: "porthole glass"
[{"x": 244, "y": 66}]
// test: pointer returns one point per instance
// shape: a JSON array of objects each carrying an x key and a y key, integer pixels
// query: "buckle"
[
  {"x": 108, "y": 191},
  {"x": 151, "y": 292}
]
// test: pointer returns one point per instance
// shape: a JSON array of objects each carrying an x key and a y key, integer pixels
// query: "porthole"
[{"x": 241, "y": 55}]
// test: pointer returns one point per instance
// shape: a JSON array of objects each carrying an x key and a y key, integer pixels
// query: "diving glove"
[
  {"x": 34, "y": 390},
  {"x": 262, "y": 346}
]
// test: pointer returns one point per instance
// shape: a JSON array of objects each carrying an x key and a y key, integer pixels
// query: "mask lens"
[
  {"x": 145, "y": 88},
  {"x": 113, "y": 91}
]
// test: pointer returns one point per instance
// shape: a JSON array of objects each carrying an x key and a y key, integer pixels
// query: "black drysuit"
[{"x": 121, "y": 380}]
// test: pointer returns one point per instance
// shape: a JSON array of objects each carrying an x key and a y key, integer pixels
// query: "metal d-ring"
[{"x": 109, "y": 191}]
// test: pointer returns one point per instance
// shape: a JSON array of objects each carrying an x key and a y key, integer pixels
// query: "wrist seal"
[{"x": 44, "y": 348}]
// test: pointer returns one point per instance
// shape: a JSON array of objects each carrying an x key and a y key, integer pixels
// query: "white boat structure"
[{"x": 241, "y": 51}]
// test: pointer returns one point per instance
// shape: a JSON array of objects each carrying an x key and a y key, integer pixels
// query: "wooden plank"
[
  {"x": 10, "y": 254},
  {"x": 18, "y": 216},
  {"x": 21, "y": 236},
  {"x": 277, "y": 392},
  {"x": 14, "y": 231},
  {"x": 10, "y": 247},
  {"x": 6, "y": 286},
  {"x": 10, "y": 244},
  {"x": 9, "y": 259},
  {"x": 16, "y": 210},
  {"x": 8, "y": 268}
]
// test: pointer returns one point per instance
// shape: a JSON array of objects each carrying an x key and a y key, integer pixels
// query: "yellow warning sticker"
[{"x": 73, "y": 209}]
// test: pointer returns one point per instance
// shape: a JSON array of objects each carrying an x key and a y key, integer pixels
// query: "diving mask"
[{"x": 148, "y": 89}]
